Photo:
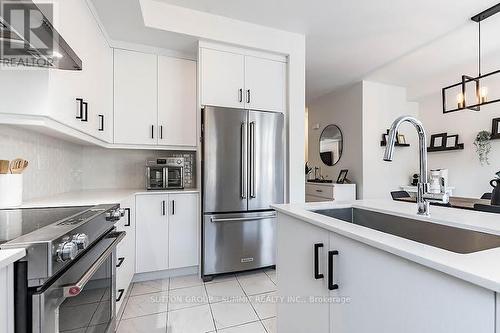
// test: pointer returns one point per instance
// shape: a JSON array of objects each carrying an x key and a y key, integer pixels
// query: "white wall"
[
  {"x": 382, "y": 104},
  {"x": 466, "y": 173},
  {"x": 364, "y": 112},
  {"x": 344, "y": 109}
]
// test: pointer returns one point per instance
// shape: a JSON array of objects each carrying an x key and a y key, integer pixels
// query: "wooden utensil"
[
  {"x": 18, "y": 165},
  {"x": 4, "y": 166}
]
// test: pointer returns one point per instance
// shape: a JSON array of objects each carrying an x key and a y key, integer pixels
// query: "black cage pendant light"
[{"x": 481, "y": 91}]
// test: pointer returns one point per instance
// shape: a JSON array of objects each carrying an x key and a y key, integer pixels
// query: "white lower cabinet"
[
  {"x": 125, "y": 252},
  {"x": 167, "y": 231},
  {"x": 296, "y": 279},
  {"x": 183, "y": 230},
  {"x": 375, "y": 291}
]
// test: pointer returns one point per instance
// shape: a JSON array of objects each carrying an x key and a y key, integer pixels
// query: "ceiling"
[{"x": 346, "y": 40}]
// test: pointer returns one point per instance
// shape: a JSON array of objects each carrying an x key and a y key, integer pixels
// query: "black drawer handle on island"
[
  {"x": 331, "y": 285},
  {"x": 120, "y": 261},
  {"x": 120, "y": 294},
  {"x": 101, "y": 123},
  {"x": 128, "y": 217},
  {"x": 317, "y": 274}
]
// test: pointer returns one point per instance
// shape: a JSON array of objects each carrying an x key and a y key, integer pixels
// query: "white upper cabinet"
[
  {"x": 176, "y": 102},
  {"x": 265, "y": 84},
  {"x": 135, "y": 98},
  {"x": 222, "y": 78},
  {"x": 229, "y": 79}
]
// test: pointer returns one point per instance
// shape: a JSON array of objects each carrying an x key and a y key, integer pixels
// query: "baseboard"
[{"x": 139, "y": 277}]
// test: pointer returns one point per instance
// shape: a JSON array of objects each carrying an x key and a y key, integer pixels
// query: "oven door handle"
[{"x": 73, "y": 290}]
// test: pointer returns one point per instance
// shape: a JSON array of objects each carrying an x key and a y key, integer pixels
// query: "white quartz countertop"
[
  {"x": 9, "y": 256},
  {"x": 93, "y": 197},
  {"x": 481, "y": 268}
]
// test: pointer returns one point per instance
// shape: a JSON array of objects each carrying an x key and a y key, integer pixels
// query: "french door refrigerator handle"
[
  {"x": 252, "y": 159},
  {"x": 243, "y": 167}
]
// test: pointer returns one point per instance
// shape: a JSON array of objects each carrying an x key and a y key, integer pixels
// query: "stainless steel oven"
[
  {"x": 165, "y": 173},
  {"x": 83, "y": 297},
  {"x": 66, "y": 282}
]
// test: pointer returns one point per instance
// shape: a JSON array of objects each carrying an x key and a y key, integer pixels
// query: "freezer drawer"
[{"x": 238, "y": 242}]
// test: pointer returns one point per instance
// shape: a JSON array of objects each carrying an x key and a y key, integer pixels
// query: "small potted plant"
[{"x": 483, "y": 146}]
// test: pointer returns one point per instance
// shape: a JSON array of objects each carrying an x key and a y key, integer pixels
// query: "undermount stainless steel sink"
[{"x": 445, "y": 237}]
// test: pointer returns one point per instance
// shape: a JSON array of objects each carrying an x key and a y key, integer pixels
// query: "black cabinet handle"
[
  {"x": 173, "y": 207},
  {"x": 161, "y": 132},
  {"x": 240, "y": 95},
  {"x": 317, "y": 274},
  {"x": 331, "y": 285},
  {"x": 120, "y": 294},
  {"x": 120, "y": 261},
  {"x": 128, "y": 217},
  {"x": 152, "y": 131},
  {"x": 101, "y": 123},
  {"x": 79, "y": 114},
  {"x": 163, "y": 208},
  {"x": 86, "y": 111},
  {"x": 248, "y": 96}
]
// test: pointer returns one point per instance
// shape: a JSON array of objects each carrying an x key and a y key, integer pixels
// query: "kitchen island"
[{"x": 344, "y": 277}]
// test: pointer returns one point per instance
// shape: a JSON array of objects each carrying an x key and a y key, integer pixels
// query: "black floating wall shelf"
[
  {"x": 460, "y": 146},
  {"x": 383, "y": 144}
]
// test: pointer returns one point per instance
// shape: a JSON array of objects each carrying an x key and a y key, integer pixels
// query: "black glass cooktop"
[{"x": 18, "y": 222}]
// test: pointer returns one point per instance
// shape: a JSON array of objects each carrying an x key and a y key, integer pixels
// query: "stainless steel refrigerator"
[{"x": 243, "y": 174}]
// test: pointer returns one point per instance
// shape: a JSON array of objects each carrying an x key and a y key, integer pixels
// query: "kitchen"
[{"x": 153, "y": 180}]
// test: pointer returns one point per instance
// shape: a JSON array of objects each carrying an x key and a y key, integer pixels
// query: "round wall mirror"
[{"x": 331, "y": 145}]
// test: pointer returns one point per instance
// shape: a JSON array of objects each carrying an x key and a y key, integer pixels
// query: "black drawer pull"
[
  {"x": 79, "y": 102},
  {"x": 120, "y": 294},
  {"x": 331, "y": 285},
  {"x": 86, "y": 111},
  {"x": 120, "y": 261},
  {"x": 173, "y": 207},
  {"x": 317, "y": 274},
  {"x": 128, "y": 217},
  {"x": 101, "y": 123}
]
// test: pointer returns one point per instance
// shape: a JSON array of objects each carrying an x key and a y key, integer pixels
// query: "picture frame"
[
  {"x": 495, "y": 128},
  {"x": 342, "y": 176},
  {"x": 401, "y": 139},
  {"x": 452, "y": 141},
  {"x": 438, "y": 140}
]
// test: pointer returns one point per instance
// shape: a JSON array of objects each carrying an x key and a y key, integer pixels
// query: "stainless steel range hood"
[{"x": 36, "y": 45}]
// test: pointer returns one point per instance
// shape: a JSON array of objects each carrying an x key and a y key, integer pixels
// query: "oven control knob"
[
  {"x": 81, "y": 241},
  {"x": 66, "y": 251}
]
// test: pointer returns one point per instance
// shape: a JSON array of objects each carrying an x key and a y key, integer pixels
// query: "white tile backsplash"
[{"x": 57, "y": 166}]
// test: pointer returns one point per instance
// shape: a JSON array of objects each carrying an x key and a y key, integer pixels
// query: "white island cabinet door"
[
  {"x": 183, "y": 230},
  {"x": 176, "y": 102},
  {"x": 392, "y": 295},
  {"x": 151, "y": 233},
  {"x": 222, "y": 78},
  {"x": 135, "y": 98},
  {"x": 265, "y": 84},
  {"x": 303, "y": 308}
]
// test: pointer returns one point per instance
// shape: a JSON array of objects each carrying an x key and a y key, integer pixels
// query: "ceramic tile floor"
[{"x": 241, "y": 303}]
